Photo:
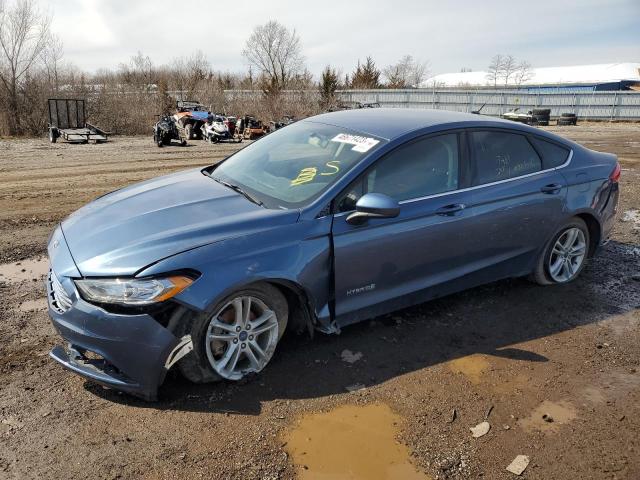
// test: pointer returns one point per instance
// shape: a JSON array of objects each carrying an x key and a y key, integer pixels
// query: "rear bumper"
[{"x": 130, "y": 353}]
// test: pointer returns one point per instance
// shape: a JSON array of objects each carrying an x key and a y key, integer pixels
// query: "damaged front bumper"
[{"x": 131, "y": 353}]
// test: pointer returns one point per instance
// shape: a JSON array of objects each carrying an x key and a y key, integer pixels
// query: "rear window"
[
  {"x": 553, "y": 155},
  {"x": 501, "y": 155}
]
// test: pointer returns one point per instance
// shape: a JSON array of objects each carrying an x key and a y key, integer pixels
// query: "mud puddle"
[
  {"x": 548, "y": 416},
  {"x": 471, "y": 366},
  {"x": 16, "y": 272},
  {"x": 351, "y": 443}
]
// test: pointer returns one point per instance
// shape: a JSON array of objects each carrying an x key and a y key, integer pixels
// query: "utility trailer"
[{"x": 68, "y": 120}]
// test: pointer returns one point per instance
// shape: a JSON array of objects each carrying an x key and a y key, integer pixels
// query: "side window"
[
  {"x": 421, "y": 168},
  {"x": 424, "y": 167},
  {"x": 501, "y": 155},
  {"x": 553, "y": 155}
]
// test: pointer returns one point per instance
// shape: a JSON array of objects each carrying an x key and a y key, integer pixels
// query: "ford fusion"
[{"x": 331, "y": 220}]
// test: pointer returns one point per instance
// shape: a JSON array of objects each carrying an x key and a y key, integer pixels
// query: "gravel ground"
[{"x": 507, "y": 353}]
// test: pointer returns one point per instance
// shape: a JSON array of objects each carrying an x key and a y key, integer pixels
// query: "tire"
[
  {"x": 197, "y": 366},
  {"x": 542, "y": 123},
  {"x": 188, "y": 131},
  {"x": 566, "y": 121},
  {"x": 542, "y": 274},
  {"x": 568, "y": 115},
  {"x": 542, "y": 112}
]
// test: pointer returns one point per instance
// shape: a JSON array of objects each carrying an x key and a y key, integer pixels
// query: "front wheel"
[
  {"x": 188, "y": 131},
  {"x": 565, "y": 255},
  {"x": 238, "y": 338}
]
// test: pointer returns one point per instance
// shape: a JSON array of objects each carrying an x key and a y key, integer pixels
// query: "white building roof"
[{"x": 579, "y": 74}]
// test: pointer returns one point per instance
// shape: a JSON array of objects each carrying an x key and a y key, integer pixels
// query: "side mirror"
[{"x": 373, "y": 205}]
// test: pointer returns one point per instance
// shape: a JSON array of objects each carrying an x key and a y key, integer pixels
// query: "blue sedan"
[{"x": 331, "y": 220}]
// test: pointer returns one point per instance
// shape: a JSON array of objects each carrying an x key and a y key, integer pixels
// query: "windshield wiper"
[{"x": 239, "y": 190}]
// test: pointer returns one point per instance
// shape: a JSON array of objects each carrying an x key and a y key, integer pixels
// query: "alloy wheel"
[
  {"x": 241, "y": 337},
  {"x": 567, "y": 255}
]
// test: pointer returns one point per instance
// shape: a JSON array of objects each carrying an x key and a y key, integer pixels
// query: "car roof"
[{"x": 391, "y": 123}]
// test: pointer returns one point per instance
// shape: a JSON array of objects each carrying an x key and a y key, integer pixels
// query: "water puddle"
[
  {"x": 39, "y": 304},
  {"x": 549, "y": 416},
  {"x": 24, "y": 270},
  {"x": 471, "y": 366},
  {"x": 351, "y": 443}
]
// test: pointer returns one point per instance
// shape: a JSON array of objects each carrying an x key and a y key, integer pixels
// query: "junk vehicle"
[
  {"x": 216, "y": 129},
  {"x": 250, "y": 128},
  {"x": 335, "y": 219},
  {"x": 283, "y": 122},
  {"x": 537, "y": 116},
  {"x": 67, "y": 120},
  {"x": 166, "y": 130},
  {"x": 191, "y": 115}
]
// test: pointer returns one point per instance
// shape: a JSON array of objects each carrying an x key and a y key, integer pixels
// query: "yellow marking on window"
[
  {"x": 331, "y": 164},
  {"x": 305, "y": 176}
]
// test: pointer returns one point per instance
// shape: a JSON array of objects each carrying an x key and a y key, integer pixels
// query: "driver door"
[{"x": 388, "y": 263}]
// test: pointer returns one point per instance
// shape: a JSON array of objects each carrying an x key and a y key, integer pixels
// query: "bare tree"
[
  {"x": 506, "y": 69},
  {"x": 188, "y": 73},
  {"x": 24, "y": 32},
  {"x": 52, "y": 59},
  {"x": 407, "y": 73},
  {"x": 139, "y": 73},
  {"x": 509, "y": 67},
  {"x": 276, "y": 52},
  {"x": 523, "y": 73},
  {"x": 496, "y": 67}
]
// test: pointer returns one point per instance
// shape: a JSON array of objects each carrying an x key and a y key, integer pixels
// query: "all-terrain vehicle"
[
  {"x": 217, "y": 129},
  {"x": 191, "y": 115},
  {"x": 283, "y": 122},
  {"x": 166, "y": 130},
  {"x": 250, "y": 128}
]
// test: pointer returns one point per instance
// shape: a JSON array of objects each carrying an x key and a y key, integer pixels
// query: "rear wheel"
[
  {"x": 238, "y": 338},
  {"x": 564, "y": 256}
]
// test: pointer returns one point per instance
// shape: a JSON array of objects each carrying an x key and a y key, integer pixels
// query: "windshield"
[{"x": 294, "y": 165}]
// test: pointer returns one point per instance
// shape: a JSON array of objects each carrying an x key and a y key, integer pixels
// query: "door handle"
[
  {"x": 551, "y": 188},
  {"x": 449, "y": 210}
]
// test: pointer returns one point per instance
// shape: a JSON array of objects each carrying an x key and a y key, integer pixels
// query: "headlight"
[{"x": 132, "y": 291}]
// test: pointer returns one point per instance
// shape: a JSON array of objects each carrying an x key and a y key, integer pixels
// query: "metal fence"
[
  {"x": 620, "y": 105},
  {"x": 586, "y": 105}
]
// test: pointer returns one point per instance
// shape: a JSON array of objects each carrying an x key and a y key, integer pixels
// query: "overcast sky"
[{"x": 449, "y": 35}]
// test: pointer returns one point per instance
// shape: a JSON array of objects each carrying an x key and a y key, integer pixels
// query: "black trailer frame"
[{"x": 68, "y": 120}]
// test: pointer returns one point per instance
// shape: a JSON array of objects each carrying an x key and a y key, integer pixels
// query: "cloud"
[{"x": 450, "y": 35}]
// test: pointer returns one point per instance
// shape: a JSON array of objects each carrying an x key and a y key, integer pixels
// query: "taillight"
[{"x": 615, "y": 175}]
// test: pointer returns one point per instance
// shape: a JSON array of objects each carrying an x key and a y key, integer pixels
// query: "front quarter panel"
[{"x": 298, "y": 253}]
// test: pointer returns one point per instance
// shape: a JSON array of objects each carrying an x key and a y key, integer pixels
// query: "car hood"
[{"x": 129, "y": 229}]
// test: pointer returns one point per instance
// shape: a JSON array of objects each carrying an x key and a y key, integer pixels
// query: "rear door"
[
  {"x": 388, "y": 263},
  {"x": 518, "y": 200}
]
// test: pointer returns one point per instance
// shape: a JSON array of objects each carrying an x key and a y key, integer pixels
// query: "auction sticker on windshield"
[{"x": 360, "y": 144}]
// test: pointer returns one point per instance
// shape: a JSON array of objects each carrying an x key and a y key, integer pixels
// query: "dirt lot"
[{"x": 507, "y": 353}]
